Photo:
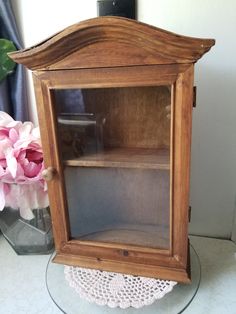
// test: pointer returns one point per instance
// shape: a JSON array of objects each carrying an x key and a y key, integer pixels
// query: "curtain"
[{"x": 13, "y": 96}]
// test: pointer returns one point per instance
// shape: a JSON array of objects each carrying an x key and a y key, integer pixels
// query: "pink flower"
[{"x": 21, "y": 163}]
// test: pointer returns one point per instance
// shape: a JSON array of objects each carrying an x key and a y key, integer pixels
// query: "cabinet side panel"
[{"x": 181, "y": 163}]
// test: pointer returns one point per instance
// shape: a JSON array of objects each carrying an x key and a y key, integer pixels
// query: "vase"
[{"x": 28, "y": 236}]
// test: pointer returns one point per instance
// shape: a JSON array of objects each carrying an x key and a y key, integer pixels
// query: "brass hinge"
[
  {"x": 189, "y": 213},
  {"x": 194, "y": 96}
]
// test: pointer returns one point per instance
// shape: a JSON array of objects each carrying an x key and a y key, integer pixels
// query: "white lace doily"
[{"x": 113, "y": 289}]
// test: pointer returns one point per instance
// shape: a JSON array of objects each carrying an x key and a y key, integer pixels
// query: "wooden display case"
[{"x": 114, "y": 99}]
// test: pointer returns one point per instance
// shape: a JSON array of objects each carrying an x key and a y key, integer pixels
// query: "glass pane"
[{"x": 115, "y": 146}]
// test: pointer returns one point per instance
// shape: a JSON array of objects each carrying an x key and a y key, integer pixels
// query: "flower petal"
[
  {"x": 3, "y": 163},
  {"x": 2, "y": 196},
  {"x": 32, "y": 169},
  {"x": 36, "y": 132},
  {"x": 5, "y": 146},
  {"x": 2, "y": 171},
  {"x": 11, "y": 163},
  {"x": 25, "y": 130},
  {"x": 4, "y": 133},
  {"x": 34, "y": 155},
  {"x": 13, "y": 135},
  {"x": 7, "y": 177},
  {"x": 5, "y": 118}
]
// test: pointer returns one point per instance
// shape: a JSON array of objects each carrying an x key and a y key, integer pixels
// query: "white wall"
[
  {"x": 213, "y": 183},
  {"x": 38, "y": 20}
]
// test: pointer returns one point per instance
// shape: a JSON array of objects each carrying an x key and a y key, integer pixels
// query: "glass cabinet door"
[{"x": 115, "y": 148}]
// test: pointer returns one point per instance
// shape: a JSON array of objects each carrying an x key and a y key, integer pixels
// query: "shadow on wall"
[
  {"x": 233, "y": 236},
  {"x": 213, "y": 171}
]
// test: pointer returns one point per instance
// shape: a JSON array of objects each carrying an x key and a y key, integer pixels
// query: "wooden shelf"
[
  {"x": 153, "y": 236},
  {"x": 142, "y": 158}
]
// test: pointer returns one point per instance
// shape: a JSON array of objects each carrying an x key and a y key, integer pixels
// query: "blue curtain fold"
[{"x": 13, "y": 94}]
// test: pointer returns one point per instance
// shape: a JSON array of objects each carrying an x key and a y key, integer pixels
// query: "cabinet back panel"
[
  {"x": 134, "y": 116},
  {"x": 119, "y": 205}
]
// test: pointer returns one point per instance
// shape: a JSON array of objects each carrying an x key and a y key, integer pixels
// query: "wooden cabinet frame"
[{"x": 78, "y": 67}]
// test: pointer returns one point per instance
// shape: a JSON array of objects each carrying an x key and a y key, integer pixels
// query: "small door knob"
[{"x": 49, "y": 173}]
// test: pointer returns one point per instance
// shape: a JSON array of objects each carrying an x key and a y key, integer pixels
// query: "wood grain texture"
[
  {"x": 131, "y": 76},
  {"x": 136, "y": 256},
  {"x": 111, "y": 41},
  {"x": 141, "y": 236},
  {"x": 56, "y": 189},
  {"x": 115, "y": 252},
  {"x": 125, "y": 158},
  {"x": 135, "y": 116},
  {"x": 183, "y": 94},
  {"x": 145, "y": 269},
  {"x": 111, "y": 52}
]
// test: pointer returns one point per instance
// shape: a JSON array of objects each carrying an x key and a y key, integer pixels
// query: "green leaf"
[{"x": 6, "y": 64}]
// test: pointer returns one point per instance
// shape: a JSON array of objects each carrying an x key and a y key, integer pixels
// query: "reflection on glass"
[
  {"x": 115, "y": 144},
  {"x": 80, "y": 133}
]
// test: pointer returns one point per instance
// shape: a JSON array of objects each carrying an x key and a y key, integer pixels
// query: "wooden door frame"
[{"x": 172, "y": 264}]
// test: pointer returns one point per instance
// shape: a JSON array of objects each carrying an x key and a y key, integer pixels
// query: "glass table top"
[{"x": 69, "y": 302}]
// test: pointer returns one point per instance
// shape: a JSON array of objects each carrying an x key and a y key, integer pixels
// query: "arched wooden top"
[{"x": 111, "y": 41}]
